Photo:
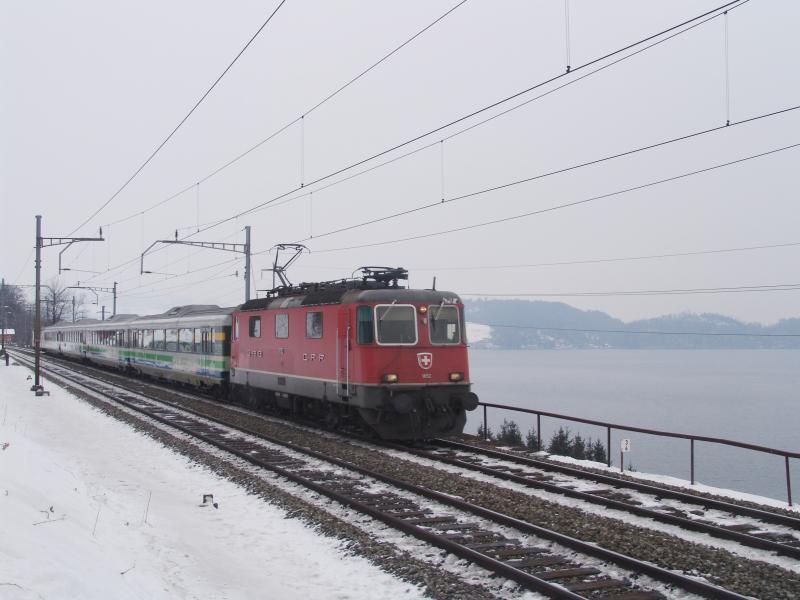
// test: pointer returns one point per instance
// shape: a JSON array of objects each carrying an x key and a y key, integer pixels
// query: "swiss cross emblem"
[{"x": 425, "y": 360}]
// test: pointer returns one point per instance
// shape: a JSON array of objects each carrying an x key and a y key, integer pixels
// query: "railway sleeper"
[
  {"x": 568, "y": 573},
  {"x": 541, "y": 561}
]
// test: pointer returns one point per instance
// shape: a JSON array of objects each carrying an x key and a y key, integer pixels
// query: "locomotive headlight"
[
  {"x": 389, "y": 378},
  {"x": 423, "y": 309},
  {"x": 457, "y": 376}
]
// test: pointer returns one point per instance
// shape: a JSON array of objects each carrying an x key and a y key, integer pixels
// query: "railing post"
[
  {"x": 608, "y": 445},
  {"x": 485, "y": 426},
  {"x": 691, "y": 459},
  {"x": 788, "y": 481},
  {"x": 539, "y": 431}
]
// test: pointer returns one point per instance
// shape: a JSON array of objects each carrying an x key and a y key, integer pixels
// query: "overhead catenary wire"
[
  {"x": 24, "y": 266},
  {"x": 673, "y": 31},
  {"x": 294, "y": 121},
  {"x": 779, "y": 287},
  {"x": 646, "y": 332},
  {"x": 282, "y": 198},
  {"x": 558, "y": 171},
  {"x": 727, "y": 74},
  {"x": 557, "y": 206},
  {"x": 715, "y": 12},
  {"x": 589, "y": 261},
  {"x": 566, "y": 33},
  {"x": 182, "y": 121}
]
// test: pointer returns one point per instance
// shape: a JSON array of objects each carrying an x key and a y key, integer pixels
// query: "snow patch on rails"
[{"x": 427, "y": 515}]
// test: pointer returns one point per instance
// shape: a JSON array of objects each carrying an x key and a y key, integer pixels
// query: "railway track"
[
  {"x": 536, "y": 558},
  {"x": 755, "y": 528}
]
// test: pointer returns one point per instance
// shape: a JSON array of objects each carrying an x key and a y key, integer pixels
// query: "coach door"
[{"x": 343, "y": 353}]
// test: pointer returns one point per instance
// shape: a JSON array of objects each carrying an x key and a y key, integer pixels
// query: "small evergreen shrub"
[{"x": 510, "y": 435}]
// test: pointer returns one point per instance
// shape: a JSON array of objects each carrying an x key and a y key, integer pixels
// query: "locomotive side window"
[
  {"x": 365, "y": 327},
  {"x": 254, "y": 326},
  {"x": 397, "y": 324},
  {"x": 236, "y": 328},
  {"x": 314, "y": 325},
  {"x": 443, "y": 322},
  {"x": 282, "y": 325}
]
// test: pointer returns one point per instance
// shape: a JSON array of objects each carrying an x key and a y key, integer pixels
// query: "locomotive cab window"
[
  {"x": 443, "y": 323},
  {"x": 282, "y": 325},
  {"x": 255, "y": 327},
  {"x": 396, "y": 324},
  {"x": 365, "y": 327},
  {"x": 314, "y": 325}
]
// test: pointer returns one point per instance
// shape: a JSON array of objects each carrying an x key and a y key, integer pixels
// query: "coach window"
[
  {"x": 186, "y": 340},
  {"x": 443, "y": 323},
  {"x": 364, "y": 325},
  {"x": 158, "y": 339},
  {"x": 397, "y": 324},
  {"x": 218, "y": 340},
  {"x": 254, "y": 327},
  {"x": 282, "y": 325},
  {"x": 147, "y": 338},
  {"x": 172, "y": 340},
  {"x": 314, "y": 325}
]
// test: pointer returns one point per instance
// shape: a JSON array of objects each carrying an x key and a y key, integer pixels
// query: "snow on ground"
[
  {"x": 477, "y": 332},
  {"x": 74, "y": 491}
]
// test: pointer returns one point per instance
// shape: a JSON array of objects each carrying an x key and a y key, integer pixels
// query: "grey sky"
[{"x": 91, "y": 88}]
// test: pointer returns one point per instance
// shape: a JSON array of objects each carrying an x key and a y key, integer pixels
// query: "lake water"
[{"x": 744, "y": 395}]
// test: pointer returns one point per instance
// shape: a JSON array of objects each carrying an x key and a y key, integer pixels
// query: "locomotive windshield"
[
  {"x": 443, "y": 322},
  {"x": 397, "y": 324}
]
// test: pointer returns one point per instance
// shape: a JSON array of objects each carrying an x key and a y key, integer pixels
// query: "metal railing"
[{"x": 614, "y": 426}]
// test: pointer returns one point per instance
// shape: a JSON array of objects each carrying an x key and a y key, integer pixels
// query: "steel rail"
[
  {"x": 714, "y": 530},
  {"x": 665, "y": 575},
  {"x": 688, "y": 497}
]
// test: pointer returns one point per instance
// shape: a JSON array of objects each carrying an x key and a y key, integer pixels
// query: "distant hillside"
[{"x": 547, "y": 325}]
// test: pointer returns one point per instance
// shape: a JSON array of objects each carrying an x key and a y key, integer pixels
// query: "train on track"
[{"x": 364, "y": 350}]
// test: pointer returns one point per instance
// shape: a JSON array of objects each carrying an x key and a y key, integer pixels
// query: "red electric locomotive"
[{"x": 366, "y": 348}]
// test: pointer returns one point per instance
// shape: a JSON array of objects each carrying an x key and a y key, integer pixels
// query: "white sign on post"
[{"x": 625, "y": 445}]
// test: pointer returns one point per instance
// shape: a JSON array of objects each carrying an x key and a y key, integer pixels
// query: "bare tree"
[
  {"x": 17, "y": 312},
  {"x": 55, "y": 296}
]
